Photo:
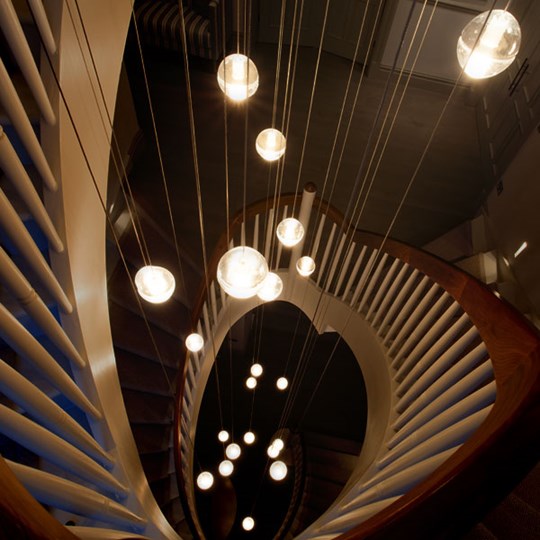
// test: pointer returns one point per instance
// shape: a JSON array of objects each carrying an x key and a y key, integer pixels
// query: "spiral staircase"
[{"x": 96, "y": 426}]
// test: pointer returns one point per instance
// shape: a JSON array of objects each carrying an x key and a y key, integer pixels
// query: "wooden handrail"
[{"x": 504, "y": 446}]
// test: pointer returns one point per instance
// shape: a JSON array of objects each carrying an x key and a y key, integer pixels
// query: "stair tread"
[
  {"x": 158, "y": 465},
  {"x": 165, "y": 490},
  {"x": 514, "y": 518},
  {"x": 152, "y": 438},
  {"x": 146, "y": 408},
  {"x": 479, "y": 532}
]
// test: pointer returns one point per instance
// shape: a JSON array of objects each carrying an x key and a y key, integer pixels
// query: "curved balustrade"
[{"x": 462, "y": 369}]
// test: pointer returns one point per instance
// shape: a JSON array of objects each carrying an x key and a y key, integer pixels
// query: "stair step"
[
  {"x": 174, "y": 512},
  {"x": 322, "y": 493},
  {"x": 182, "y": 528},
  {"x": 329, "y": 442},
  {"x": 529, "y": 489},
  {"x": 152, "y": 438},
  {"x": 165, "y": 490},
  {"x": 479, "y": 532},
  {"x": 146, "y": 408},
  {"x": 514, "y": 518},
  {"x": 143, "y": 375},
  {"x": 329, "y": 464},
  {"x": 158, "y": 465},
  {"x": 131, "y": 334}
]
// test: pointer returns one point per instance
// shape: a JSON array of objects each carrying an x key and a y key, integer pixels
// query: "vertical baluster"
[
  {"x": 383, "y": 289},
  {"x": 335, "y": 260},
  {"x": 279, "y": 244},
  {"x": 326, "y": 253},
  {"x": 213, "y": 301},
  {"x": 344, "y": 268},
  {"x": 354, "y": 272},
  {"x": 43, "y": 25},
  {"x": 268, "y": 241},
  {"x": 363, "y": 277},
  {"x": 318, "y": 237},
  {"x": 383, "y": 310},
  {"x": 256, "y": 233},
  {"x": 372, "y": 282}
]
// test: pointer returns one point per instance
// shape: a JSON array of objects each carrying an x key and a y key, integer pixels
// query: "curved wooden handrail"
[{"x": 471, "y": 479}]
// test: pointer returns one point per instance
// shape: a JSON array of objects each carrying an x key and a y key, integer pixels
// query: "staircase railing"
[
  {"x": 82, "y": 464},
  {"x": 462, "y": 374}
]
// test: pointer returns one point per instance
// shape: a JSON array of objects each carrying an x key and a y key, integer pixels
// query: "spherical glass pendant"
[
  {"x": 248, "y": 523},
  {"x": 226, "y": 468},
  {"x": 205, "y": 480},
  {"x": 194, "y": 342},
  {"x": 282, "y": 383},
  {"x": 270, "y": 144},
  {"x": 289, "y": 232},
  {"x": 271, "y": 288},
  {"x": 279, "y": 444},
  {"x": 155, "y": 284},
  {"x": 305, "y": 266},
  {"x": 273, "y": 451},
  {"x": 251, "y": 382},
  {"x": 223, "y": 435},
  {"x": 256, "y": 370},
  {"x": 238, "y": 77},
  {"x": 233, "y": 451},
  {"x": 241, "y": 272},
  {"x": 249, "y": 437},
  {"x": 497, "y": 47},
  {"x": 278, "y": 470}
]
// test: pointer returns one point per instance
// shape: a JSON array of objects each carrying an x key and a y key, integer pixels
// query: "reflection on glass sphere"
[
  {"x": 155, "y": 284},
  {"x": 238, "y": 77},
  {"x": 305, "y": 266},
  {"x": 249, "y": 437},
  {"x": 241, "y": 272},
  {"x": 273, "y": 451},
  {"x": 256, "y": 370},
  {"x": 233, "y": 451},
  {"x": 271, "y": 288},
  {"x": 251, "y": 382},
  {"x": 194, "y": 342},
  {"x": 223, "y": 435},
  {"x": 278, "y": 470},
  {"x": 282, "y": 383},
  {"x": 248, "y": 523},
  {"x": 226, "y": 468},
  {"x": 289, "y": 232},
  {"x": 270, "y": 144},
  {"x": 497, "y": 47},
  {"x": 205, "y": 480},
  {"x": 279, "y": 444}
]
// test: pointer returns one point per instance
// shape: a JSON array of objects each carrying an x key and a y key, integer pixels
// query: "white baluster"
[
  {"x": 318, "y": 237},
  {"x": 98, "y": 533},
  {"x": 363, "y": 277},
  {"x": 213, "y": 301},
  {"x": 243, "y": 234},
  {"x": 304, "y": 215},
  {"x": 256, "y": 233},
  {"x": 66, "y": 495},
  {"x": 372, "y": 282},
  {"x": 51, "y": 447},
  {"x": 335, "y": 260},
  {"x": 344, "y": 268},
  {"x": 326, "y": 253},
  {"x": 26, "y": 345},
  {"x": 43, "y": 25},
  {"x": 389, "y": 299},
  {"x": 354, "y": 272},
  {"x": 269, "y": 231},
  {"x": 279, "y": 244},
  {"x": 383, "y": 288}
]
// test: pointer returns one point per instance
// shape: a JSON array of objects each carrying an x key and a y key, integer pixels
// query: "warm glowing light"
[
  {"x": 249, "y": 437},
  {"x": 278, "y": 470},
  {"x": 233, "y": 451},
  {"x": 256, "y": 370},
  {"x": 248, "y": 523},
  {"x": 205, "y": 480},
  {"x": 194, "y": 342},
  {"x": 498, "y": 46},
  {"x": 279, "y": 444},
  {"x": 289, "y": 232},
  {"x": 226, "y": 468},
  {"x": 282, "y": 383},
  {"x": 238, "y": 77},
  {"x": 251, "y": 382},
  {"x": 271, "y": 288},
  {"x": 273, "y": 451},
  {"x": 223, "y": 436},
  {"x": 155, "y": 284},
  {"x": 305, "y": 266},
  {"x": 270, "y": 144},
  {"x": 520, "y": 250},
  {"x": 241, "y": 272}
]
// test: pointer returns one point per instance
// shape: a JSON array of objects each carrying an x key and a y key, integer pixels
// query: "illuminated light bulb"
[
  {"x": 271, "y": 288},
  {"x": 497, "y": 47},
  {"x": 282, "y": 383},
  {"x": 270, "y": 144},
  {"x": 278, "y": 471},
  {"x": 194, "y": 342},
  {"x": 289, "y": 232},
  {"x": 520, "y": 250},
  {"x": 205, "y": 480},
  {"x": 249, "y": 437},
  {"x": 155, "y": 284},
  {"x": 248, "y": 523},
  {"x": 223, "y": 435},
  {"x": 238, "y": 77},
  {"x": 305, "y": 266},
  {"x": 241, "y": 272},
  {"x": 233, "y": 451},
  {"x": 279, "y": 444},
  {"x": 256, "y": 370},
  {"x": 251, "y": 382},
  {"x": 226, "y": 468},
  {"x": 273, "y": 451}
]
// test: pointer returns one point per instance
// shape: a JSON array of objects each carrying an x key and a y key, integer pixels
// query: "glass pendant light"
[
  {"x": 305, "y": 266},
  {"x": 205, "y": 480},
  {"x": 289, "y": 232},
  {"x": 241, "y": 272},
  {"x": 278, "y": 471},
  {"x": 498, "y": 46},
  {"x": 194, "y": 342},
  {"x": 279, "y": 444},
  {"x": 256, "y": 370},
  {"x": 273, "y": 451},
  {"x": 155, "y": 284},
  {"x": 238, "y": 77},
  {"x": 271, "y": 288},
  {"x": 233, "y": 451},
  {"x": 270, "y": 144},
  {"x": 249, "y": 437},
  {"x": 251, "y": 383},
  {"x": 282, "y": 383},
  {"x": 226, "y": 468},
  {"x": 248, "y": 523},
  {"x": 223, "y": 436}
]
